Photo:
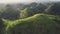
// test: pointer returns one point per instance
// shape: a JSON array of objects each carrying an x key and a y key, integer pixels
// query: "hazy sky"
[{"x": 24, "y": 1}]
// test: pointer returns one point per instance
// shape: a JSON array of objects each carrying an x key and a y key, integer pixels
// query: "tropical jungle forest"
[{"x": 32, "y": 18}]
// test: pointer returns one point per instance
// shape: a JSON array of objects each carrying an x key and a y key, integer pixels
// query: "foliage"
[
  {"x": 10, "y": 13},
  {"x": 55, "y": 9},
  {"x": 31, "y": 25},
  {"x": 23, "y": 13},
  {"x": 32, "y": 19}
]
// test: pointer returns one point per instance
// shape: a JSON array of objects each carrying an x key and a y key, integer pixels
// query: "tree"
[
  {"x": 23, "y": 13},
  {"x": 55, "y": 9},
  {"x": 10, "y": 13}
]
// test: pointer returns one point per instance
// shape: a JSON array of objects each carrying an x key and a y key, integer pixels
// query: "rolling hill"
[{"x": 37, "y": 24}]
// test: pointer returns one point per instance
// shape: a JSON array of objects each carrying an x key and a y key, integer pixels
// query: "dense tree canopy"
[
  {"x": 10, "y": 13},
  {"x": 33, "y": 18}
]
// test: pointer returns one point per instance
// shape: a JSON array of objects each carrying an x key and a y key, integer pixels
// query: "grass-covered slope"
[{"x": 37, "y": 24}]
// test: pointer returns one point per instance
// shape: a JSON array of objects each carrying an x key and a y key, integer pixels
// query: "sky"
[{"x": 24, "y": 1}]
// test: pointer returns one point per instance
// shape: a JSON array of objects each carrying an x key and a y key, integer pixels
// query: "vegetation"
[
  {"x": 32, "y": 25},
  {"x": 34, "y": 18},
  {"x": 10, "y": 13}
]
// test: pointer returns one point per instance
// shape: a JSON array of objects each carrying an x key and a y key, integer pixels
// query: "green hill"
[{"x": 37, "y": 24}]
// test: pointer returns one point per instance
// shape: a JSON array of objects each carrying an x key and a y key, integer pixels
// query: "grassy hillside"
[
  {"x": 37, "y": 24},
  {"x": 33, "y": 18}
]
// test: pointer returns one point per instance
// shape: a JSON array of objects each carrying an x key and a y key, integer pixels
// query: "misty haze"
[{"x": 29, "y": 16}]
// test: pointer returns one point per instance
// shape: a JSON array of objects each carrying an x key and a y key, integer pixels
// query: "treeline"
[{"x": 30, "y": 9}]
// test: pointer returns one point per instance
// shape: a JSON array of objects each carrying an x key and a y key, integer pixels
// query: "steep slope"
[
  {"x": 37, "y": 24},
  {"x": 54, "y": 9}
]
